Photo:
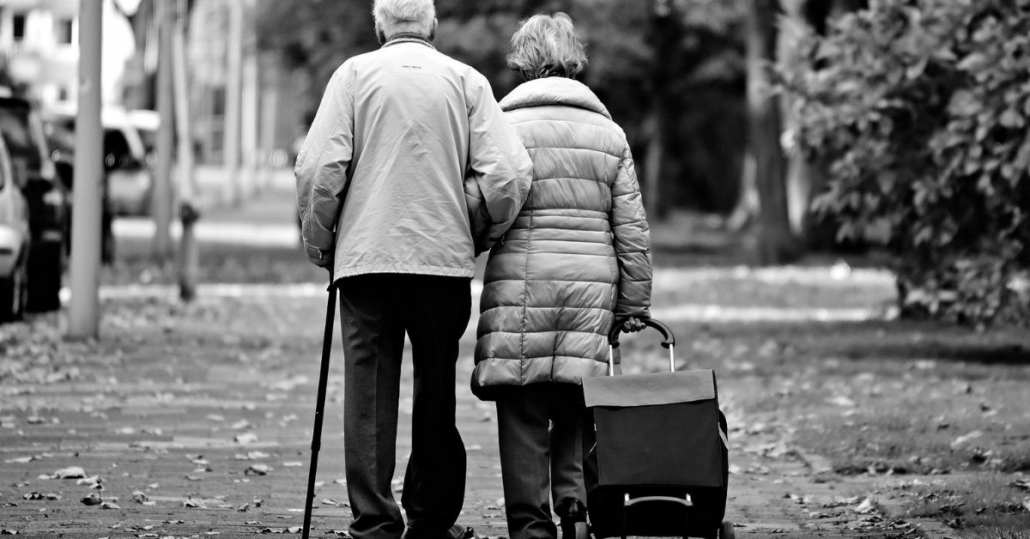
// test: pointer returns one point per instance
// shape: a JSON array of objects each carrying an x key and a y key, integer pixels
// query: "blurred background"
[{"x": 765, "y": 132}]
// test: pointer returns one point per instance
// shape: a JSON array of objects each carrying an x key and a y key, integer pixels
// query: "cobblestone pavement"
[{"x": 195, "y": 421}]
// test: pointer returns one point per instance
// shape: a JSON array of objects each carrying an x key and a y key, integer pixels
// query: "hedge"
[{"x": 922, "y": 107}]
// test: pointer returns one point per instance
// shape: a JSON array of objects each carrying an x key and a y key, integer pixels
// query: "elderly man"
[{"x": 381, "y": 188}]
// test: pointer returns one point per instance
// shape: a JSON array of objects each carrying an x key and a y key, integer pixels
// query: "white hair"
[{"x": 406, "y": 15}]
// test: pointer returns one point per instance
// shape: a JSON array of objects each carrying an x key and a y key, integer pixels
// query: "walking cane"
[{"x": 323, "y": 379}]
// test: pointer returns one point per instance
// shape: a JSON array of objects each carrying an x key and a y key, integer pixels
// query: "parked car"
[
  {"x": 129, "y": 180},
  {"x": 48, "y": 199},
  {"x": 62, "y": 151},
  {"x": 14, "y": 241}
]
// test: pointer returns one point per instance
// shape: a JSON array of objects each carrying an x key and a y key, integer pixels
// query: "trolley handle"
[
  {"x": 669, "y": 342},
  {"x": 613, "y": 342}
]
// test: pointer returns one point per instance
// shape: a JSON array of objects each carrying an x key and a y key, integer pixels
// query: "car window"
[
  {"x": 117, "y": 151},
  {"x": 14, "y": 124}
]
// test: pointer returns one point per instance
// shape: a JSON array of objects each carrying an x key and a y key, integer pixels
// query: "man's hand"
[{"x": 633, "y": 325}]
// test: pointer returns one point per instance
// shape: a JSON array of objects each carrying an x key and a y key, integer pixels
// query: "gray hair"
[
  {"x": 547, "y": 46},
  {"x": 416, "y": 15}
]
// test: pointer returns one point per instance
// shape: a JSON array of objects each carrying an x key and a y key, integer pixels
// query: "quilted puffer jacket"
[{"x": 577, "y": 256}]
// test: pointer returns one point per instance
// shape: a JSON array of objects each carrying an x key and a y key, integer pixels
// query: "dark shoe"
[
  {"x": 456, "y": 531},
  {"x": 573, "y": 515}
]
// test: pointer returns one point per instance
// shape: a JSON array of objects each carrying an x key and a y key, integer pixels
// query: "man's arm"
[
  {"x": 498, "y": 162},
  {"x": 321, "y": 168}
]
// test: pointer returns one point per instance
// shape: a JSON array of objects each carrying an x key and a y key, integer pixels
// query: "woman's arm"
[{"x": 632, "y": 238}]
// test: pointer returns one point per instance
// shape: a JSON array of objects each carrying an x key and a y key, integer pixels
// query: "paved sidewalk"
[{"x": 195, "y": 421}]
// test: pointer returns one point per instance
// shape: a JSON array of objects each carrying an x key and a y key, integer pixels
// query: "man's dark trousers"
[{"x": 376, "y": 310}]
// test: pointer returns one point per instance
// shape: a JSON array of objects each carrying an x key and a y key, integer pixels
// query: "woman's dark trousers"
[
  {"x": 540, "y": 433},
  {"x": 376, "y": 312}
]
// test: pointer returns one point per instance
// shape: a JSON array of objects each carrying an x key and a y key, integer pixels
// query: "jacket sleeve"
[
  {"x": 322, "y": 168},
  {"x": 632, "y": 242},
  {"x": 498, "y": 165}
]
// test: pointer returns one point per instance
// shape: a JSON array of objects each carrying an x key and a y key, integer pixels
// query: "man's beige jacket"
[{"x": 380, "y": 177}]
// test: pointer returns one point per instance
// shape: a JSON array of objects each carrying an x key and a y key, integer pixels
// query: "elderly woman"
[{"x": 576, "y": 261}]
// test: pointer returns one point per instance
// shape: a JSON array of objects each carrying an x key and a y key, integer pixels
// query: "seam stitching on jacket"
[{"x": 525, "y": 298}]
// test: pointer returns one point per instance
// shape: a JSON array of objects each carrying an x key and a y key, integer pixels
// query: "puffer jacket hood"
[{"x": 578, "y": 255}]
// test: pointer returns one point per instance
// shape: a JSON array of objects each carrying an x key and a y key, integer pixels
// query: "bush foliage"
[{"x": 922, "y": 107}]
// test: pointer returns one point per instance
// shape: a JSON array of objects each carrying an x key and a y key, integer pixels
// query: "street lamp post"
[{"x": 84, "y": 272}]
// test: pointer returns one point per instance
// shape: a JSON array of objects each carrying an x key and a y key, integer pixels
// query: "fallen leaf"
[
  {"x": 958, "y": 442},
  {"x": 293, "y": 529},
  {"x": 257, "y": 469},
  {"x": 20, "y": 460},
  {"x": 140, "y": 497},
  {"x": 92, "y": 499},
  {"x": 1026, "y": 503},
  {"x": 72, "y": 472},
  {"x": 190, "y": 504},
  {"x": 1021, "y": 484},
  {"x": 841, "y": 400},
  {"x": 246, "y": 438},
  {"x": 866, "y": 507},
  {"x": 5, "y": 531},
  {"x": 95, "y": 482},
  {"x": 241, "y": 424},
  {"x": 109, "y": 505},
  {"x": 292, "y": 464}
]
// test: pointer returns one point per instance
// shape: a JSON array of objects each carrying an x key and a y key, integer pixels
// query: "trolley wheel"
[{"x": 726, "y": 531}]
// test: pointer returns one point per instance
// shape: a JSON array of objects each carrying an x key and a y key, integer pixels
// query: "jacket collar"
[
  {"x": 408, "y": 37},
  {"x": 554, "y": 91}
]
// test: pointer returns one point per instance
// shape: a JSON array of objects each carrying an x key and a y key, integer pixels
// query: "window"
[
  {"x": 218, "y": 101},
  {"x": 64, "y": 31},
  {"x": 18, "y": 24}
]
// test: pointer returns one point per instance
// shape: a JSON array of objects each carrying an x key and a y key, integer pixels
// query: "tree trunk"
[
  {"x": 665, "y": 39},
  {"x": 776, "y": 242}
]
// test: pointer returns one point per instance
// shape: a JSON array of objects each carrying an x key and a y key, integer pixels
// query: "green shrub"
[{"x": 923, "y": 109}]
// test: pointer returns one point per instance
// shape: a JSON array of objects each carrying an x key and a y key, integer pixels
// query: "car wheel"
[
  {"x": 13, "y": 295},
  {"x": 44, "y": 281}
]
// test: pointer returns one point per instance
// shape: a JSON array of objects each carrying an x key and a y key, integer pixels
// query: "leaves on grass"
[
  {"x": 92, "y": 499},
  {"x": 109, "y": 505}
]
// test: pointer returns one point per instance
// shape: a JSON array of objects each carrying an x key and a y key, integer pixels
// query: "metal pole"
[
  {"x": 161, "y": 203},
  {"x": 233, "y": 105},
  {"x": 249, "y": 98},
  {"x": 189, "y": 256},
  {"x": 84, "y": 309},
  {"x": 323, "y": 380}
]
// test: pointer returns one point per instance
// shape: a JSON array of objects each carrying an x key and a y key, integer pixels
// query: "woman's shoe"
[{"x": 573, "y": 515}]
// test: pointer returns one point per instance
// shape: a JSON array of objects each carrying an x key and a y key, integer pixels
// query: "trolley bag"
[{"x": 656, "y": 461}]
